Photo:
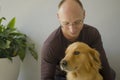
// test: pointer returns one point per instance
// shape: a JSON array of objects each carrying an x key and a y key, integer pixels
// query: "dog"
[{"x": 81, "y": 62}]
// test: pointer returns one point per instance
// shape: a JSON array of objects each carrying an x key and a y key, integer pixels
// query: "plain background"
[{"x": 37, "y": 19}]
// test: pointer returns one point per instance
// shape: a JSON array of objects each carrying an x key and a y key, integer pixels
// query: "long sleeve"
[
  {"x": 98, "y": 45},
  {"x": 47, "y": 70},
  {"x": 51, "y": 53},
  {"x": 47, "y": 65}
]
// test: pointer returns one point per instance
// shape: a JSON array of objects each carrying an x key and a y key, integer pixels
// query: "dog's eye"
[{"x": 76, "y": 52}]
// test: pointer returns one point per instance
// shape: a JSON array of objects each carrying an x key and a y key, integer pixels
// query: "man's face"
[{"x": 71, "y": 19}]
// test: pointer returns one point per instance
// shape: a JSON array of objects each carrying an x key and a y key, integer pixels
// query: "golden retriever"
[{"x": 81, "y": 62}]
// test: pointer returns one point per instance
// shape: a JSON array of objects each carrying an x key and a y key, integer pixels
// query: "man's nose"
[{"x": 72, "y": 28}]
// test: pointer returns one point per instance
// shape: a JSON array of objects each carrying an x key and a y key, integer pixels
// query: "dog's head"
[{"x": 78, "y": 56}]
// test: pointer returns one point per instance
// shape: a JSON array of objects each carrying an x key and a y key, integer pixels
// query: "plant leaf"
[
  {"x": 32, "y": 51},
  {"x": 8, "y": 44},
  {"x": 11, "y": 24},
  {"x": 21, "y": 55},
  {"x": 4, "y": 44},
  {"x": 3, "y": 18}
]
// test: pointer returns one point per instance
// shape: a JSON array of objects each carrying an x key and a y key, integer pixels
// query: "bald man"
[{"x": 71, "y": 15}]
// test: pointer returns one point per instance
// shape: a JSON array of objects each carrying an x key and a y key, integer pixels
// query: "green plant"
[{"x": 13, "y": 42}]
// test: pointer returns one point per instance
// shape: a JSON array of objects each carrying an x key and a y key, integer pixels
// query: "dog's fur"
[{"x": 81, "y": 62}]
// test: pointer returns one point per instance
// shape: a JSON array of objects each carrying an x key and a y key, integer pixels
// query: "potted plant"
[{"x": 13, "y": 43}]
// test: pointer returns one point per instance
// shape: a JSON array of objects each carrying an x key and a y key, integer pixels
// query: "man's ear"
[
  {"x": 58, "y": 16},
  {"x": 84, "y": 14}
]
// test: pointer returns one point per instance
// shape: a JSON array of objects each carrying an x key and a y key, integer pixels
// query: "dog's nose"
[{"x": 64, "y": 63}]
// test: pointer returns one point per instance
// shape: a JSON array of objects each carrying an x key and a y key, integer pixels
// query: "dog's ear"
[{"x": 95, "y": 59}]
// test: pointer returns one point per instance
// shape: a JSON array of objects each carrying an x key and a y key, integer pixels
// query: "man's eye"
[
  {"x": 76, "y": 52},
  {"x": 65, "y": 23},
  {"x": 78, "y": 22}
]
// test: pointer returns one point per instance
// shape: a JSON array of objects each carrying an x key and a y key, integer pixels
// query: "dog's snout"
[{"x": 64, "y": 63}]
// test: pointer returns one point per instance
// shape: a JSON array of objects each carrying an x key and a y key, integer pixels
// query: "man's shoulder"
[
  {"x": 90, "y": 33},
  {"x": 90, "y": 29},
  {"x": 54, "y": 38}
]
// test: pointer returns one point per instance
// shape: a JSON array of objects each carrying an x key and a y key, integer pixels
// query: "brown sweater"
[{"x": 54, "y": 48}]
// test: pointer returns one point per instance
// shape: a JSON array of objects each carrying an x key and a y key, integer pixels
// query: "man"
[{"x": 71, "y": 15}]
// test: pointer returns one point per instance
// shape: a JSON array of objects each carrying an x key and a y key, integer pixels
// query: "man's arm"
[
  {"x": 48, "y": 65},
  {"x": 47, "y": 70},
  {"x": 98, "y": 45}
]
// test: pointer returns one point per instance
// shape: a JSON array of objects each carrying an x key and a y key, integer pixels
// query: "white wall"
[{"x": 37, "y": 18}]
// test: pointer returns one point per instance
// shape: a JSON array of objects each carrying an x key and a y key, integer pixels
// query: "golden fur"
[{"x": 81, "y": 62}]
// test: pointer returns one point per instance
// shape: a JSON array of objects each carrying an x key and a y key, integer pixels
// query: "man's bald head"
[
  {"x": 71, "y": 8},
  {"x": 63, "y": 1}
]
